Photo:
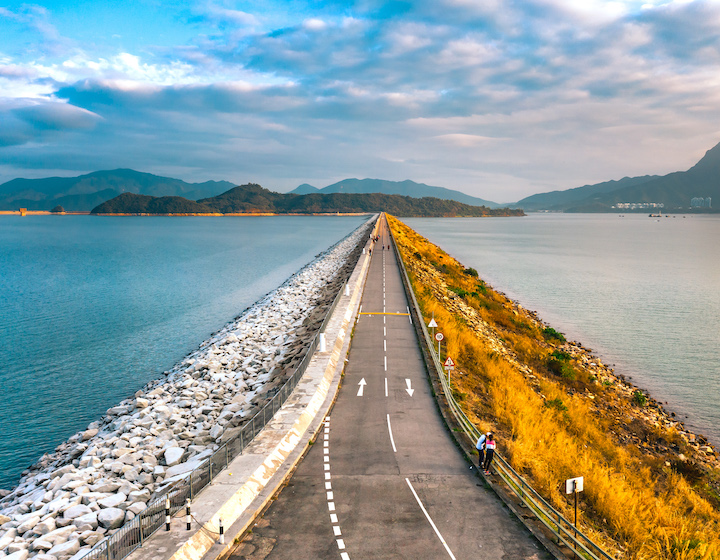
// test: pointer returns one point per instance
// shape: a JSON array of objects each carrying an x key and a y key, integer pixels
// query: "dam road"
[{"x": 384, "y": 479}]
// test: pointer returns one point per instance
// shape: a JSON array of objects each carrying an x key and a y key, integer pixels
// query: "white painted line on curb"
[
  {"x": 327, "y": 475},
  {"x": 422, "y": 507},
  {"x": 391, "y": 436},
  {"x": 328, "y": 486},
  {"x": 330, "y": 496}
]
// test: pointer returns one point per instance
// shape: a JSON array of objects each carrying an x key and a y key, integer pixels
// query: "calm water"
[
  {"x": 644, "y": 293},
  {"x": 92, "y": 308}
]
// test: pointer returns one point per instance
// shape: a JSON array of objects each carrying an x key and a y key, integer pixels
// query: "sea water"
[
  {"x": 642, "y": 292},
  {"x": 94, "y": 307}
]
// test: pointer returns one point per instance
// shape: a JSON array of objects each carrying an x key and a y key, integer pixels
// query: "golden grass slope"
[{"x": 559, "y": 413}]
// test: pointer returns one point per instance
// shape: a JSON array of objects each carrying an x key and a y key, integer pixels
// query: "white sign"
[
  {"x": 449, "y": 363},
  {"x": 573, "y": 485},
  {"x": 439, "y": 336},
  {"x": 432, "y": 324}
]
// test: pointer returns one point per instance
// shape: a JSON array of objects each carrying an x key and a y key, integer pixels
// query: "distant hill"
[
  {"x": 405, "y": 188},
  {"x": 253, "y": 198},
  {"x": 559, "y": 200},
  {"x": 130, "y": 203},
  {"x": 673, "y": 190},
  {"x": 87, "y": 191},
  {"x": 305, "y": 189}
]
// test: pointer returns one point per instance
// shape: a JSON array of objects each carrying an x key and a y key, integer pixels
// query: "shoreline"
[
  {"x": 102, "y": 477},
  {"x": 213, "y": 214},
  {"x": 650, "y": 483}
]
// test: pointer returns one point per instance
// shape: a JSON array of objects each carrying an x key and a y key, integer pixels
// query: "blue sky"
[{"x": 500, "y": 99}]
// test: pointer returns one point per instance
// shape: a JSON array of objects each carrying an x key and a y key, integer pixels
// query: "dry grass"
[{"x": 547, "y": 429}]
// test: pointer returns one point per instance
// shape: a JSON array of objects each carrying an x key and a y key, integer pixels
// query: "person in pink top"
[{"x": 489, "y": 452}]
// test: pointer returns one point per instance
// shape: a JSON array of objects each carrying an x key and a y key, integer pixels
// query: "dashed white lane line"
[
  {"x": 384, "y": 331},
  {"x": 385, "y": 363},
  {"x": 385, "y": 345},
  {"x": 391, "y": 436},
  {"x": 432, "y": 524},
  {"x": 330, "y": 495},
  {"x": 386, "y": 388}
]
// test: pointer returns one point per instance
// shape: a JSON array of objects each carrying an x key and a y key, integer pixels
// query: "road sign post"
[
  {"x": 432, "y": 324},
  {"x": 449, "y": 365},
  {"x": 574, "y": 486},
  {"x": 439, "y": 336}
]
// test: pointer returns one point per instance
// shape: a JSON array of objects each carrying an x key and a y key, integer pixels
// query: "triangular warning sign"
[
  {"x": 432, "y": 324},
  {"x": 449, "y": 362}
]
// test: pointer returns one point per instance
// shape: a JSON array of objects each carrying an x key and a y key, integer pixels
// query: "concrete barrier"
[{"x": 241, "y": 492}]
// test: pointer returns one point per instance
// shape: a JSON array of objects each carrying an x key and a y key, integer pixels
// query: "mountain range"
[
  {"x": 85, "y": 192},
  {"x": 674, "y": 191},
  {"x": 405, "y": 188}
]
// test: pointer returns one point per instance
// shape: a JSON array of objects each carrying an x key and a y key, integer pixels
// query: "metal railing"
[
  {"x": 563, "y": 530},
  {"x": 132, "y": 535}
]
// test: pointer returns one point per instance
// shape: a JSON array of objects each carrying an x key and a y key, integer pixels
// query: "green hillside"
[{"x": 253, "y": 198}]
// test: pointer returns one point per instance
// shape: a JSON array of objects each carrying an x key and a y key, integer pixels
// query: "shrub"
[
  {"x": 639, "y": 398},
  {"x": 561, "y": 356},
  {"x": 471, "y": 272},
  {"x": 459, "y": 291},
  {"x": 556, "y": 404},
  {"x": 551, "y": 334}
]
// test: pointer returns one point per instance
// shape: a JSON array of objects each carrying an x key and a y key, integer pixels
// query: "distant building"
[
  {"x": 638, "y": 205},
  {"x": 700, "y": 202},
  {"x": 23, "y": 211}
]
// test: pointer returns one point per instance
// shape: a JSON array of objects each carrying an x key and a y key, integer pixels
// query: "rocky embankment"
[
  {"x": 650, "y": 428},
  {"x": 104, "y": 476}
]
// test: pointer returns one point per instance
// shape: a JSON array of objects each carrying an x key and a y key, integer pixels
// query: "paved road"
[{"x": 384, "y": 479}]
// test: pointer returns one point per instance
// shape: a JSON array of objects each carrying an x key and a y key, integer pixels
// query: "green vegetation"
[
  {"x": 128, "y": 203},
  {"x": 639, "y": 398},
  {"x": 253, "y": 198}
]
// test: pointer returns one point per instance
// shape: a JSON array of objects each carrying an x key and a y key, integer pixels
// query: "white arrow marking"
[
  {"x": 409, "y": 389},
  {"x": 362, "y": 386}
]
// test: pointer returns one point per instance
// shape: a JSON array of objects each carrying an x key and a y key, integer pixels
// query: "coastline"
[
  {"x": 213, "y": 214},
  {"x": 561, "y": 412},
  {"x": 102, "y": 477}
]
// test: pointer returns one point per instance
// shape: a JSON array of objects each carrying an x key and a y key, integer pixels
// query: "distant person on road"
[
  {"x": 480, "y": 446},
  {"x": 489, "y": 452}
]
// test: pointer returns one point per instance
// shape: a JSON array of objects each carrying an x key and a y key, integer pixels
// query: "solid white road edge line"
[
  {"x": 391, "y": 436},
  {"x": 422, "y": 507}
]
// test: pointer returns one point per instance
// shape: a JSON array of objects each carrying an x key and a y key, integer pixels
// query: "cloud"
[{"x": 501, "y": 99}]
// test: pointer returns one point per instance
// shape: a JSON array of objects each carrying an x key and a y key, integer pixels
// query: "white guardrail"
[{"x": 561, "y": 528}]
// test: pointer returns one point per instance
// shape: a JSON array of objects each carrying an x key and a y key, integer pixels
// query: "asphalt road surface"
[{"x": 384, "y": 480}]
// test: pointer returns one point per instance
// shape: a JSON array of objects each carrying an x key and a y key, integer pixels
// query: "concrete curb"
[{"x": 241, "y": 492}]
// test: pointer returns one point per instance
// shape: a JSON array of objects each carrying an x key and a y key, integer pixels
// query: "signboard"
[
  {"x": 574, "y": 485},
  {"x": 439, "y": 336},
  {"x": 449, "y": 363},
  {"x": 432, "y": 324}
]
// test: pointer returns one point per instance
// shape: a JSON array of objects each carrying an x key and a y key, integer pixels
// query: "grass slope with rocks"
[{"x": 651, "y": 487}]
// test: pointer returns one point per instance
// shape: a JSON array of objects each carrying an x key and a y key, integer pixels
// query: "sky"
[{"x": 498, "y": 99}]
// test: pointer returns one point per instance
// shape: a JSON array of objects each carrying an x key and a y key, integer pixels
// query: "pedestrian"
[
  {"x": 480, "y": 446},
  {"x": 489, "y": 452}
]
